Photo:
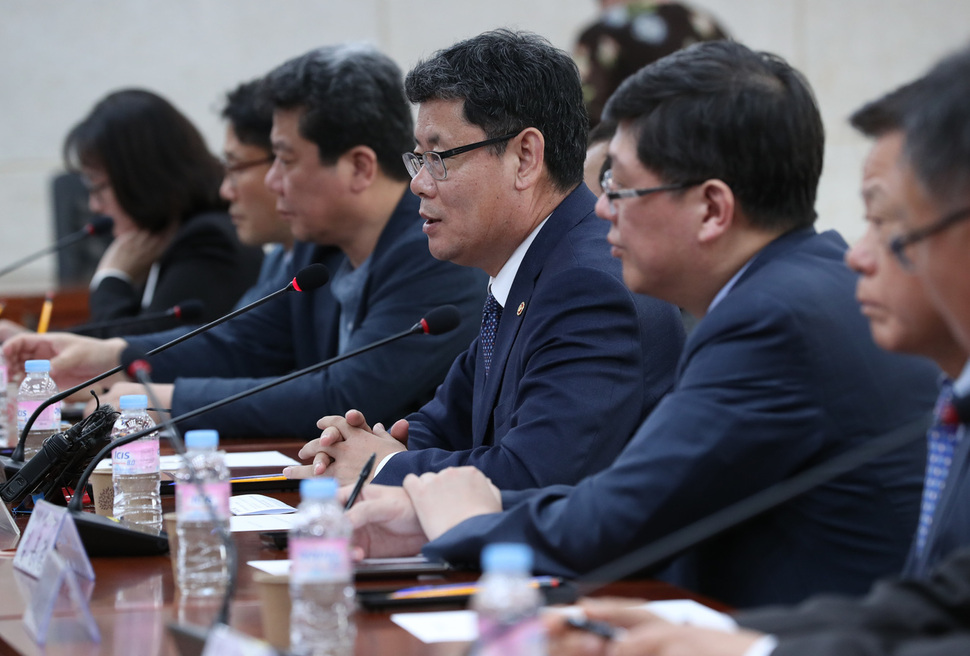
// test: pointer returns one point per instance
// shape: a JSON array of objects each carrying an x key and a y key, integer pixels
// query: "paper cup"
[
  {"x": 103, "y": 492},
  {"x": 274, "y": 606}
]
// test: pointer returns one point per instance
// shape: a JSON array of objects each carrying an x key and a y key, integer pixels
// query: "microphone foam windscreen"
[
  {"x": 132, "y": 355},
  {"x": 100, "y": 225},
  {"x": 190, "y": 310},
  {"x": 311, "y": 277},
  {"x": 441, "y": 320}
]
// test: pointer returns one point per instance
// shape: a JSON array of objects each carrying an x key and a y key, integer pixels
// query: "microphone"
[
  {"x": 188, "y": 311},
  {"x": 98, "y": 226},
  {"x": 659, "y": 552},
  {"x": 309, "y": 278}
]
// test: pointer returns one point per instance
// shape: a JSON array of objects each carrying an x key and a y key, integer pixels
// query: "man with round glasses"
[{"x": 568, "y": 361}]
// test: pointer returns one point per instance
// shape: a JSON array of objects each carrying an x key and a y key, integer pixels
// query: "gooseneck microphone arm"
[
  {"x": 308, "y": 279},
  {"x": 98, "y": 226},
  {"x": 673, "y": 544},
  {"x": 440, "y": 320}
]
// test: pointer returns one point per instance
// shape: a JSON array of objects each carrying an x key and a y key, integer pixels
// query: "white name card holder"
[
  {"x": 56, "y": 575},
  {"x": 51, "y": 528},
  {"x": 226, "y": 641},
  {"x": 9, "y": 531},
  {"x": 51, "y": 551}
]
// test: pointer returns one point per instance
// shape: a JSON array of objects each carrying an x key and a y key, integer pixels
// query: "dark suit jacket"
[
  {"x": 205, "y": 261},
  {"x": 950, "y": 529},
  {"x": 910, "y": 617},
  {"x": 301, "y": 329},
  {"x": 573, "y": 348},
  {"x": 780, "y": 376}
]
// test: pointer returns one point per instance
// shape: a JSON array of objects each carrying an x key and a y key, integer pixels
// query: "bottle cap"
[
  {"x": 201, "y": 439},
  {"x": 133, "y": 402},
  {"x": 318, "y": 488},
  {"x": 507, "y": 557},
  {"x": 34, "y": 366}
]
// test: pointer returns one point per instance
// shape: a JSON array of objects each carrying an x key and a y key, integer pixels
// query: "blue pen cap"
[
  {"x": 318, "y": 488},
  {"x": 133, "y": 402},
  {"x": 201, "y": 439},
  {"x": 35, "y": 366},
  {"x": 507, "y": 557}
]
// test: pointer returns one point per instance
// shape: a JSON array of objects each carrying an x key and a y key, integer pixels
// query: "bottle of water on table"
[
  {"x": 508, "y": 604},
  {"x": 37, "y": 387},
  {"x": 321, "y": 574},
  {"x": 134, "y": 467},
  {"x": 202, "y": 566}
]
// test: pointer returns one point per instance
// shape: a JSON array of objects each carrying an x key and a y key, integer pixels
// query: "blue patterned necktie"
[
  {"x": 941, "y": 440},
  {"x": 491, "y": 315}
]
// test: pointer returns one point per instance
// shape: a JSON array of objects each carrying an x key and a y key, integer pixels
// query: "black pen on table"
[{"x": 364, "y": 474}]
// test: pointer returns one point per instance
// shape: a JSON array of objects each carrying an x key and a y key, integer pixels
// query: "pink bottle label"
[
  {"x": 138, "y": 457},
  {"x": 319, "y": 560},
  {"x": 49, "y": 419},
  {"x": 190, "y": 503}
]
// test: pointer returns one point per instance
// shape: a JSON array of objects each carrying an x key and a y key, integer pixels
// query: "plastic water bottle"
[
  {"x": 507, "y": 604},
  {"x": 36, "y": 388},
  {"x": 134, "y": 467},
  {"x": 321, "y": 574},
  {"x": 4, "y": 427},
  {"x": 201, "y": 563}
]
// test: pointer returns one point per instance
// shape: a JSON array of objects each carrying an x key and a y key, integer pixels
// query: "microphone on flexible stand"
[
  {"x": 188, "y": 311},
  {"x": 308, "y": 279},
  {"x": 98, "y": 226},
  {"x": 103, "y": 537}
]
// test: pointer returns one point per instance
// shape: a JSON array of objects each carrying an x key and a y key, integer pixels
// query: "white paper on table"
[
  {"x": 261, "y": 523},
  {"x": 258, "y": 504},
  {"x": 274, "y": 567},
  {"x": 233, "y": 460},
  {"x": 444, "y": 626},
  {"x": 462, "y": 625}
]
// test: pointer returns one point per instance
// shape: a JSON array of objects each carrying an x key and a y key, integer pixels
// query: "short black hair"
[
  {"x": 157, "y": 162},
  {"x": 250, "y": 117},
  {"x": 718, "y": 110},
  {"x": 937, "y": 128},
  {"x": 351, "y": 95},
  {"x": 885, "y": 114},
  {"x": 510, "y": 81}
]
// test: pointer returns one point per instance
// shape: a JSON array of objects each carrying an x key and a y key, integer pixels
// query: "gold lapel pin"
[{"x": 521, "y": 309}]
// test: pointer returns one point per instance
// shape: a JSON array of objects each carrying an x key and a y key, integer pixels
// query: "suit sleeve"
[
  {"x": 384, "y": 384},
  {"x": 898, "y": 618},
  {"x": 745, "y": 422},
  {"x": 579, "y": 398}
]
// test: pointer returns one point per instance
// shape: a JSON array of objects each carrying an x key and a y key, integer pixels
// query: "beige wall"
[{"x": 58, "y": 57}]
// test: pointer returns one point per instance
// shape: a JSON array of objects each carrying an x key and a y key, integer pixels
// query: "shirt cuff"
[
  {"x": 380, "y": 466},
  {"x": 765, "y": 646},
  {"x": 109, "y": 273}
]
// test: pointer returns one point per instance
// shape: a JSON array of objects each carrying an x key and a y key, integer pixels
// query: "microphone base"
[
  {"x": 103, "y": 537},
  {"x": 10, "y": 466}
]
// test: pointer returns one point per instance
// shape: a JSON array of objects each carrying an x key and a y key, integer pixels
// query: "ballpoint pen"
[{"x": 364, "y": 474}]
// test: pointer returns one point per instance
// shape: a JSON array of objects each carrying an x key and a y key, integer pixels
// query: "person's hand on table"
[
  {"x": 162, "y": 391},
  {"x": 644, "y": 634},
  {"x": 384, "y": 521},
  {"x": 344, "y": 447},
  {"x": 10, "y": 328},
  {"x": 74, "y": 358},
  {"x": 467, "y": 490}
]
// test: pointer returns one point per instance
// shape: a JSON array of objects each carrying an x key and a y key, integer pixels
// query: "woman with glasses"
[{"x": 148, "y": 169}]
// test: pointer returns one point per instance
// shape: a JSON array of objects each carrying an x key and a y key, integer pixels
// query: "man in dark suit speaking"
[
  {"x": 501, "y": 134},
  {"x": 710, "y": 200}
]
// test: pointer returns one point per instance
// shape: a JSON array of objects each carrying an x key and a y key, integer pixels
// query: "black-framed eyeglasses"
[
  {"x": 900, "y": 243},
  {"x": 613, "y": 194},
  {"x": 233, "y": 169},
  {"x": 435, "y": 160}
]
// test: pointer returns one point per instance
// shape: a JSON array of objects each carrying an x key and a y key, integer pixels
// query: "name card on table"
[
  {"x": 9, "y": 531},
  {"x": 51, "y": 529},
  {"x": 56, "y": 574},
  {"x": 225, "y": 641}
]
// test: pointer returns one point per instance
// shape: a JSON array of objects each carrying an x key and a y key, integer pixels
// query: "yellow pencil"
[
  {"x": 2, "y": 307},
  {"x": 45, "y": 313}
]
